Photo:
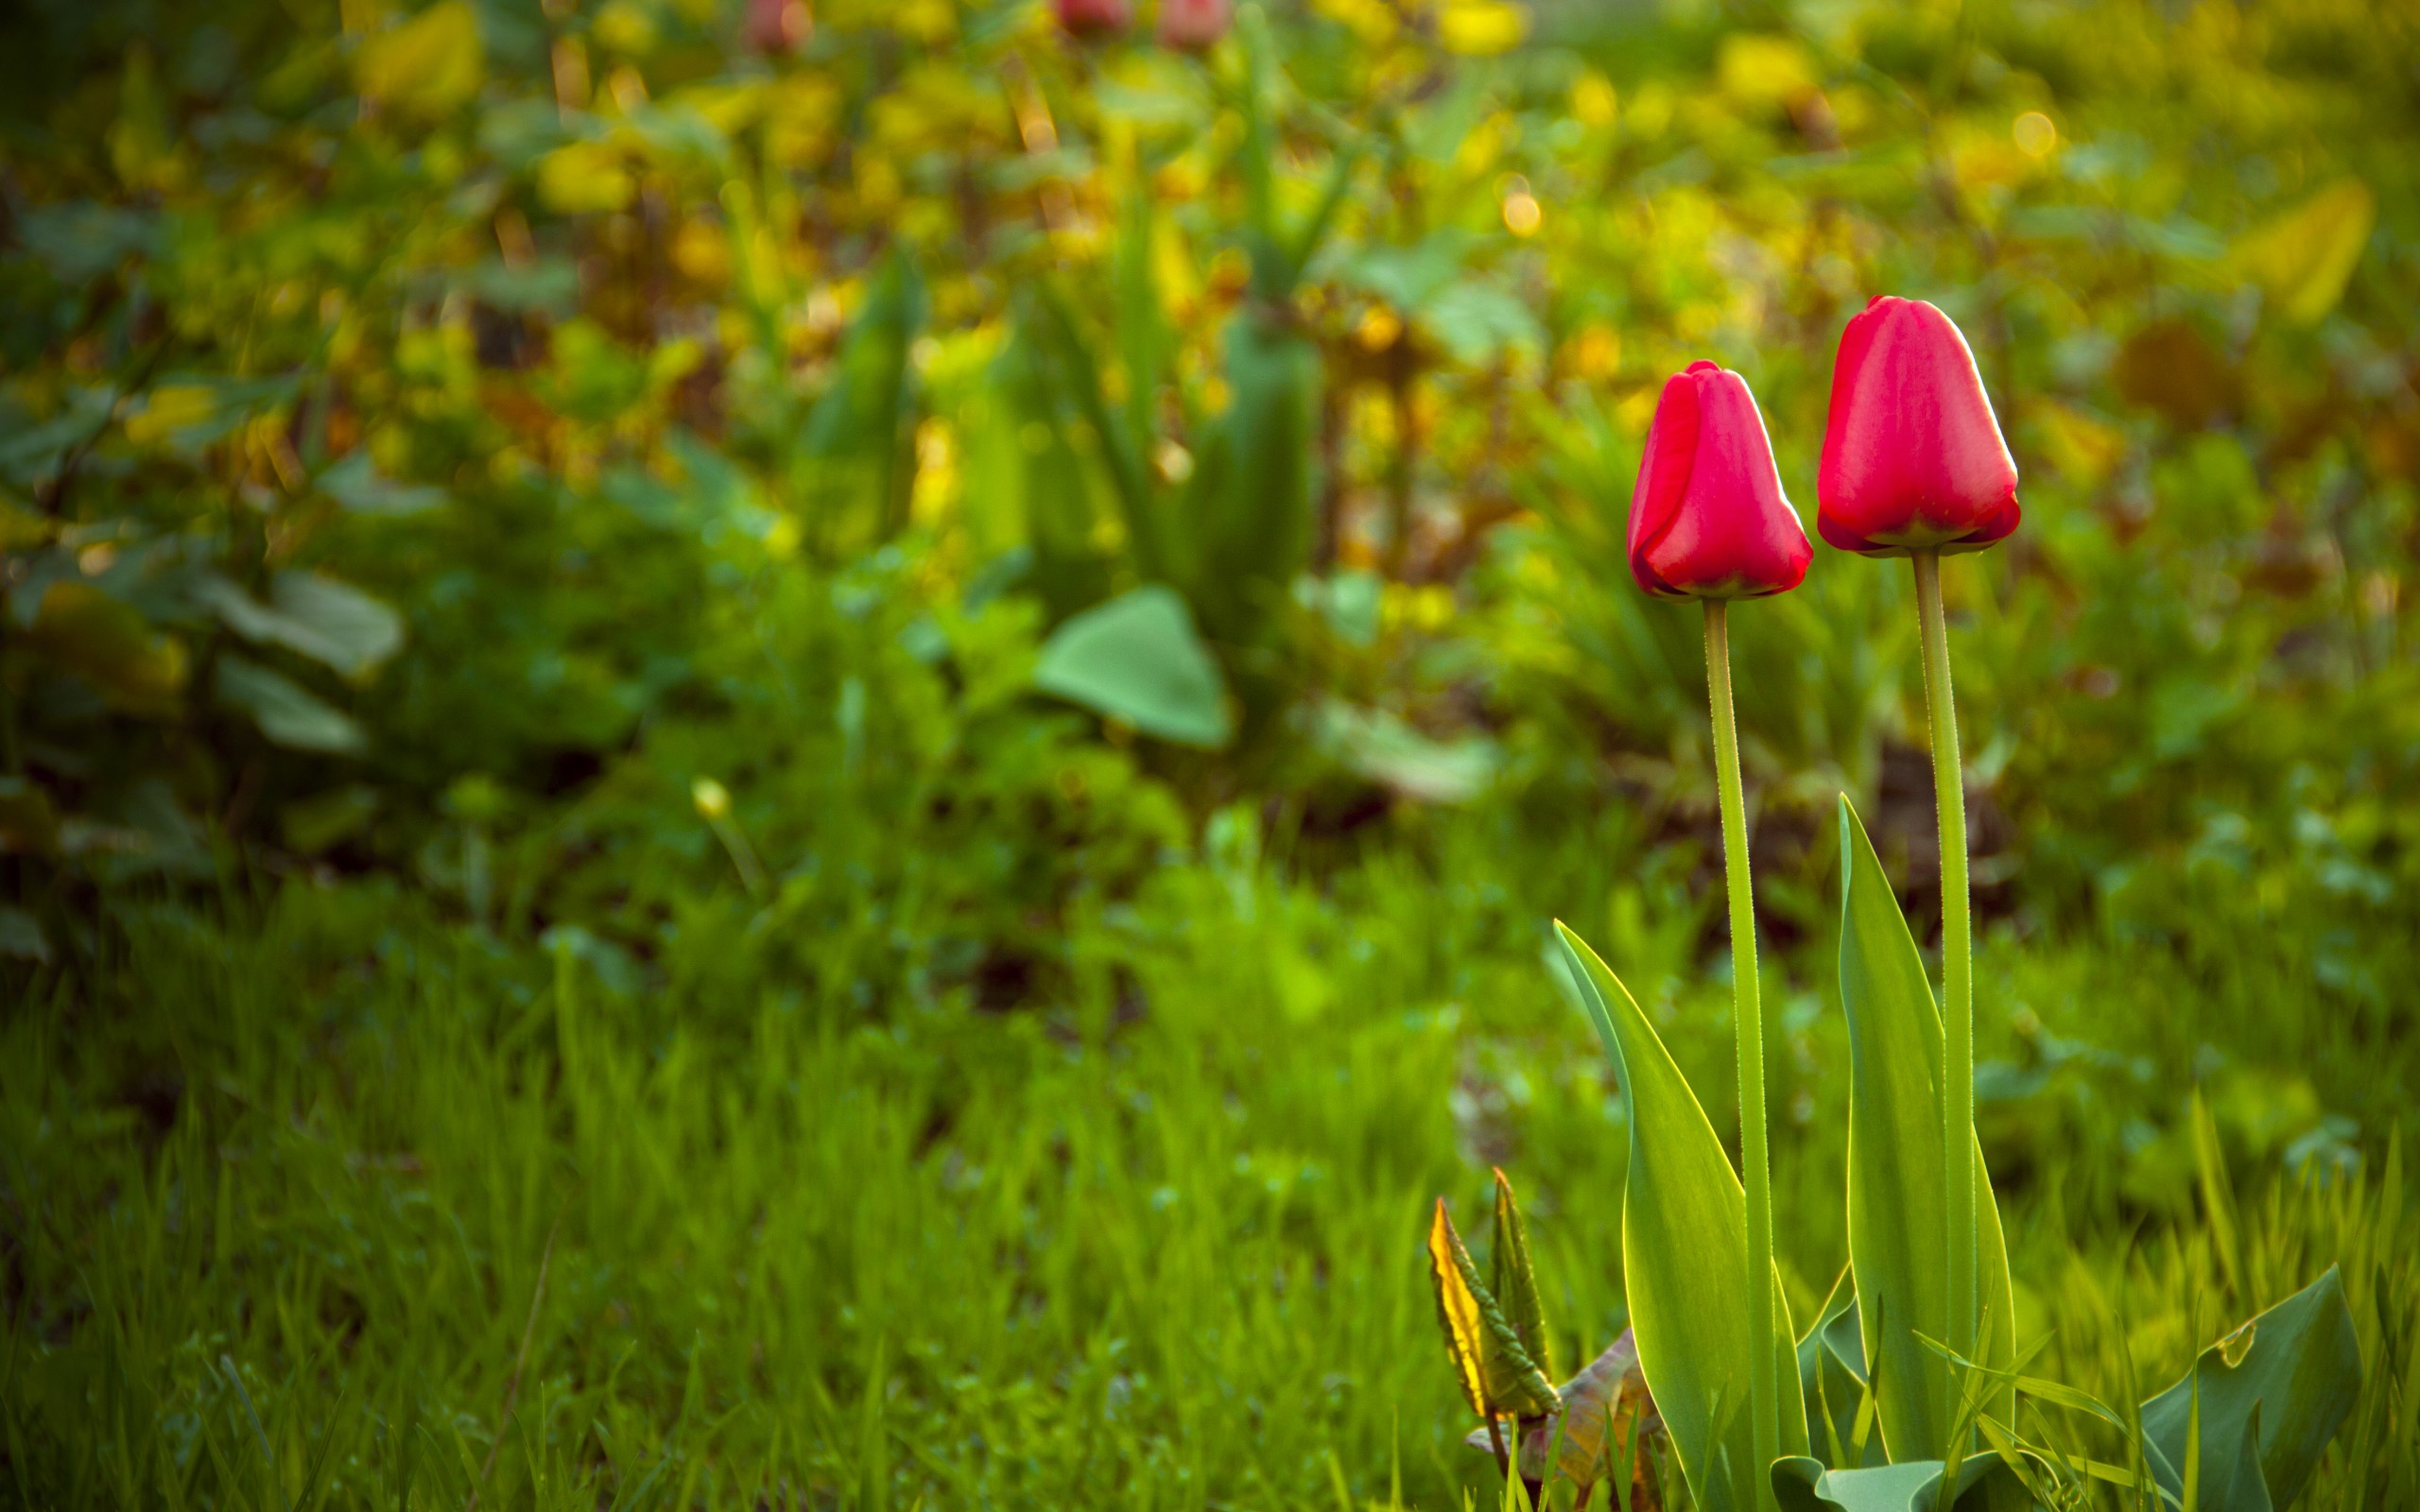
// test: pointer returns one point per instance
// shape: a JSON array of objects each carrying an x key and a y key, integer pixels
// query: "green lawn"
[{"x": 337, "y": 1205}]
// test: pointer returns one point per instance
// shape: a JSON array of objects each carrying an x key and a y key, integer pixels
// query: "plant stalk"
[
  {"x": 1764, "y": 1387},
  {"x": 1957, "y": 958}
]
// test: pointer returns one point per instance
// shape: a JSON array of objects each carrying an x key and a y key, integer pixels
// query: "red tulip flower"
[
  {"x": 1708, "y": 519},
  {"x": 1091, "y": 18},
  {"x": 1912, "y": 457},
  {"x": 1193, "y": 25}
]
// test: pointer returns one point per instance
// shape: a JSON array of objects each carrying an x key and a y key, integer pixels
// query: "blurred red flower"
[
  {"x": 1090, "y": 18},
  {"x": 779, "y": 25},
  {"x": 1194, "y": 24}
]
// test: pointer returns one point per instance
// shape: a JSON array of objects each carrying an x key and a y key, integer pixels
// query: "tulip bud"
[
  {"x": 1091, "y": 18},
  {"x": 1912, "y": 456},
  {"x": 1708, "y": 519},
  {"x": 1193, "y": 25}
]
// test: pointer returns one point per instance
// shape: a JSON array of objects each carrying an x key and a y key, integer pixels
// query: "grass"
[{"x": 329, "y": 1202}]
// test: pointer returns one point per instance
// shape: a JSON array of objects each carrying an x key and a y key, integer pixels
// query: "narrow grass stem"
[
  {"x": 1957, "y": 959},
  {"x": 1764, "y": 1387}
]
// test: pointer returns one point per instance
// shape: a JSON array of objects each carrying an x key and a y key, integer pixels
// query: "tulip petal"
[
  {"x": 1709, "y": 519},
  {"x": 1913, "y": 457},
  {"x": 1664, "y": 478}
]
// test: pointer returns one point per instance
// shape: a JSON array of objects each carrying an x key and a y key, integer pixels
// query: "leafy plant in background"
[{"x": 1228, "y": 522}]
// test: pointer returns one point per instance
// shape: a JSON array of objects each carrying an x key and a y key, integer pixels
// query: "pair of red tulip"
[
  {"x": 1190, "y": 25},
  {"x": 1912, "y": 461}
]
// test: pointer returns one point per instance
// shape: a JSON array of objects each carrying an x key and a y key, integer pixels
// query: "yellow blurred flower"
[
  {"x": 428, "y": 65},
  {"x": 702, "y": 253},
  {"x": 1373, "y": 21},
  {"x": 1481, "y": 29},
  {"x": 624, "y": 26},
  {"x": 1594, "y": 103},
  {"x": 1765, "y": 71},
  {"x": 585, "y": 178}
]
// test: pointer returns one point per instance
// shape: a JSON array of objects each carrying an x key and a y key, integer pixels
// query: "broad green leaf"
[
  {"x": 332, "y": 622},
  {"x": 2284, "y": 1381},
  {"x": 1685, "y": 1255},
  {"x": 1602, "y": 1405},
  {"x": 1515, "y": 1283},
  {"x": 1137, "y": 659},
  {"x": 285, "y": 713},
  {"x": 1802, "y": 1485},
  {"x": 1496, "y": 1375},
  {"x": 2304, "y": 257},
  {"x": 1898, "y": 1221},
  {"x": 110, "y": 645}
]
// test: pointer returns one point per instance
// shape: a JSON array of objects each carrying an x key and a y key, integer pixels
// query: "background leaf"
[
  {"x": 286, "y": 713},
  {"x": 1137, "y": 659}
]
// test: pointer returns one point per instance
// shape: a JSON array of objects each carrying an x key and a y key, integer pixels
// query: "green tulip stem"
[
  {"x": 1957, "y": 959},
  {"x": 1764, "y": 1387}
]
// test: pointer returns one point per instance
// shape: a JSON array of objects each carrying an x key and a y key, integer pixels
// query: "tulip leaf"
[
  {"x": 1685, "y": 1255},
  {"x": 1515, "y": 1283},
  {"x": 1495, "y": 1374},
  {"x": 1831, "y": 1377},
  {"x": 2285, "y": 1381},
  {"x": 1898, "y": 1218},
  {"x": 1802, "y": 1485}
]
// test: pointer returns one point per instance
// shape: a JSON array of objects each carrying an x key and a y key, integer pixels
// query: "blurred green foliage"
[{"x": 593, "y": 495}]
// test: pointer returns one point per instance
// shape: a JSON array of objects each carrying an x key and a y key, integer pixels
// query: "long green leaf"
[
  {"x": 1248, "y": 506},
  {"x": 1685, "y": 1255},
  {"x": 1898, "y": 1218}
]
